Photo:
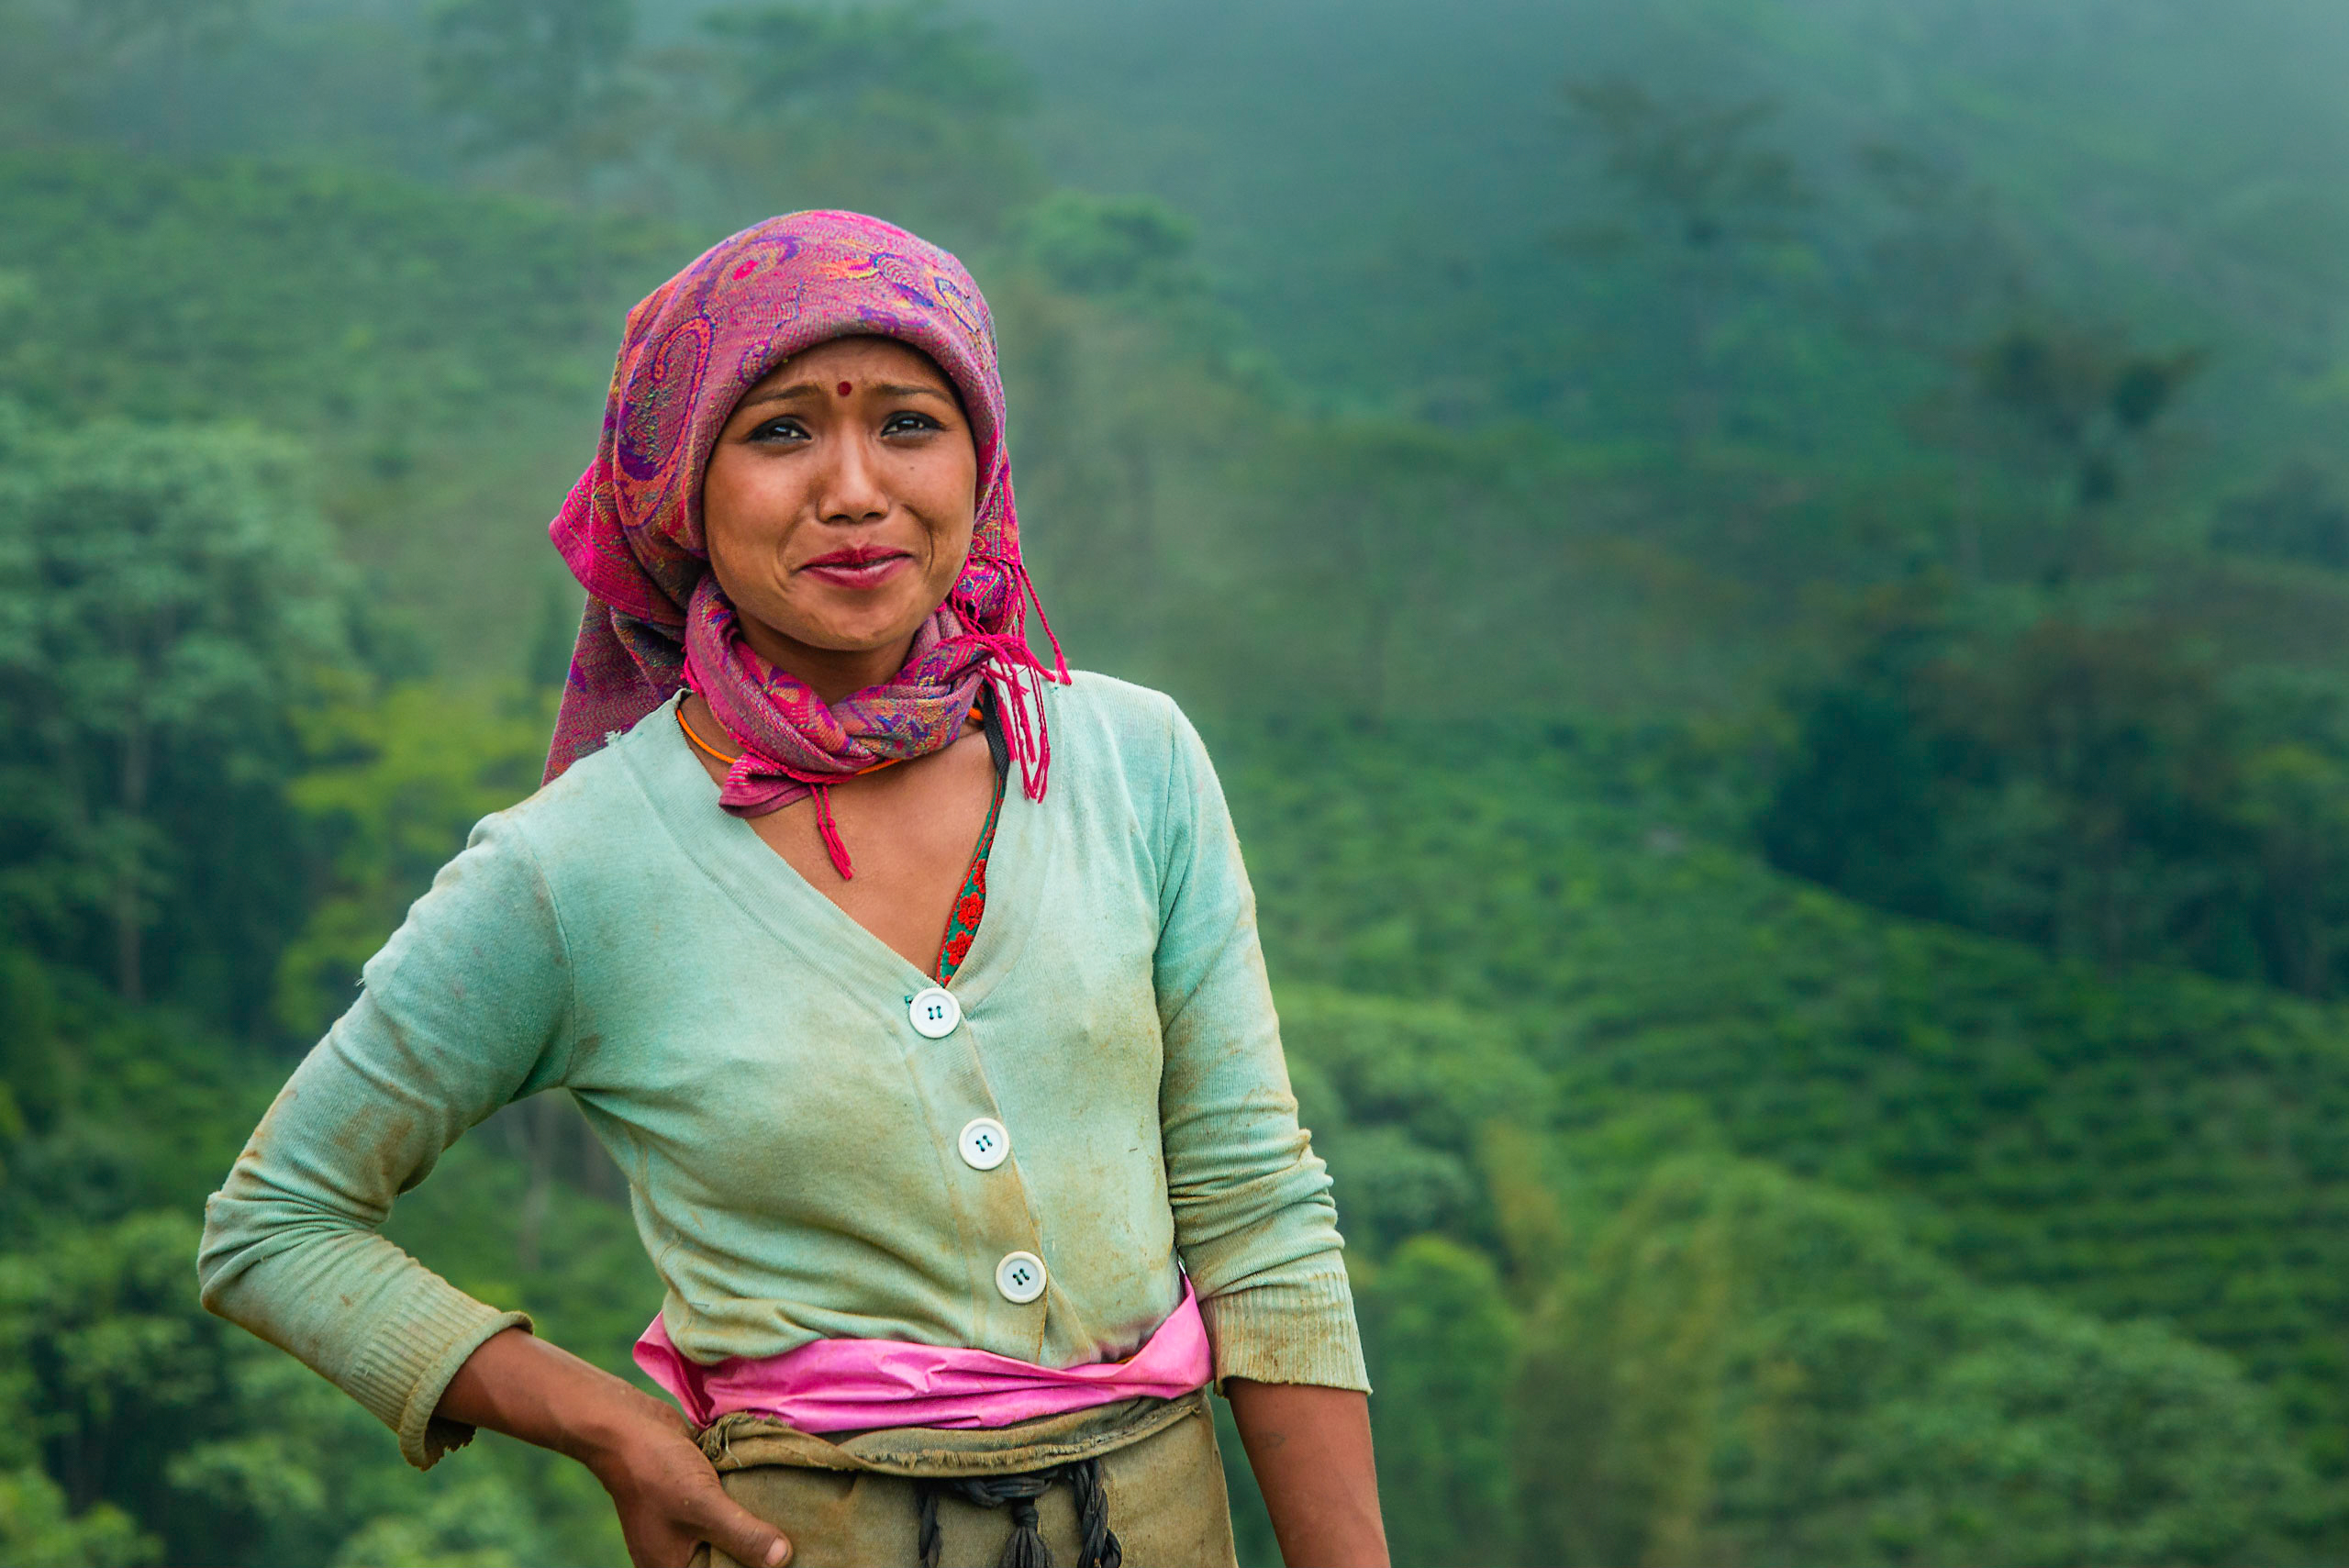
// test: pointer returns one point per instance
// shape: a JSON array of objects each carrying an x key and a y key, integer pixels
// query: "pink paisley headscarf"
[{"x": 631, "y": 529}]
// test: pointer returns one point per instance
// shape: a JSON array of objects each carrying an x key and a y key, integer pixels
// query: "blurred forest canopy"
[{"x": 1768, "y": 578}]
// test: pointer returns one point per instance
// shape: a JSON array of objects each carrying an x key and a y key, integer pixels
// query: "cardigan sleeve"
[
  {"x": 464, "y": 1009},
  {"x": 1253, "y": 1219}
]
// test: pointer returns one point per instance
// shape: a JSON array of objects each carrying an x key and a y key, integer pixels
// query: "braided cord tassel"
[
  {"x": 1100, "y": 1548},
  {"x": 927, "y": 1492},
  {"x": 1027, "y": 1548}
]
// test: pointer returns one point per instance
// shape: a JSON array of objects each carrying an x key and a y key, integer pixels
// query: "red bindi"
[{"x": 845, "y": 389}]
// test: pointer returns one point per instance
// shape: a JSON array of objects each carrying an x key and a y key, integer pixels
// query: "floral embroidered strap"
[{"x": 964, "y": 923}]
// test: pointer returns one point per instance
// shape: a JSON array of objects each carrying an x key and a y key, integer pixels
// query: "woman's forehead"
[{"x": 872, "y": 353}]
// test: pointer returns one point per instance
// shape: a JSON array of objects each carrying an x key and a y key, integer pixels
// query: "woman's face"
[{"x": 839, "y": 502}]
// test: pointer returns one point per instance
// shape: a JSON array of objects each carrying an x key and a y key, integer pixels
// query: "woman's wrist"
[
  {"x": 523, "y": 1386},
  {"x": 611, "y": 1430}
]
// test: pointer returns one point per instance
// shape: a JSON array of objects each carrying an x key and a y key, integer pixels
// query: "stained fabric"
[
  {"x": 1142, "y": 1478},
  {"x": 784, "y": 1139},
  {"x": 632, "y": 530}
]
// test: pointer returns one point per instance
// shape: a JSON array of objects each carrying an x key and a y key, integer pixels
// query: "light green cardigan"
[{"x": 744, "y": 1052}]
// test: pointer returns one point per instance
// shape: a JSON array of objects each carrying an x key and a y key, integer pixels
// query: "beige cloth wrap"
[{"x": 853, "y": 1504}]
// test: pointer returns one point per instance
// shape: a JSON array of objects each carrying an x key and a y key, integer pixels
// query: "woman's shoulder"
[
  {"x": 1104, "y": 702},
  {"x": 598, "y": 802},
  {"x": 1100, "y": 720},
  {"x": 1114, "y": 735}
]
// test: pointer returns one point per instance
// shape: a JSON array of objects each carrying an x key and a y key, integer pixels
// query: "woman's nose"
[{"x": 850, "y": 487}]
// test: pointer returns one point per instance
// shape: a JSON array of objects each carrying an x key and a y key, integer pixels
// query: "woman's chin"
[
  {"x": 860, "y": 621},
  {"x": 861, "y": 633}
]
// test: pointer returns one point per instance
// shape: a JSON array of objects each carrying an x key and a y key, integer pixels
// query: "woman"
[{"x": 952, "y": 1104}]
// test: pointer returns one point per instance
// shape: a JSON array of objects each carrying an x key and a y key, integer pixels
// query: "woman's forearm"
[
  {"x": 520, "y": 1385},
  {"x": 1310, "y": 1450}
]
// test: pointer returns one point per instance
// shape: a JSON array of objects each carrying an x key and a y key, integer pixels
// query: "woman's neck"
[{"x": 832, "y": 674}]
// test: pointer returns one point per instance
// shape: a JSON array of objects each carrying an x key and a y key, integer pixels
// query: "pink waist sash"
[{"x": 840, "y": 1385}]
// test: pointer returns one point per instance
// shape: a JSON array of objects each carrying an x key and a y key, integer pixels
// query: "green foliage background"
[{"x": 1767, "y": 578}]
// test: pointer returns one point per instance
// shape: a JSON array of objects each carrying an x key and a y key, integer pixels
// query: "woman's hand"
[
  {"x": 670, "y": 1501},
  {"x": 642, "y": 1450}
]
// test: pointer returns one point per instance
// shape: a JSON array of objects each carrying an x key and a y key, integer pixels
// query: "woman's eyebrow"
[
  {"x": 809, "y": 389},
  {"x": 783, "y": 393}
]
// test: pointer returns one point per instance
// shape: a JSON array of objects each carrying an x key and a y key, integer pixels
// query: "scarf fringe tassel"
[{"x": 1018, "y": 675}]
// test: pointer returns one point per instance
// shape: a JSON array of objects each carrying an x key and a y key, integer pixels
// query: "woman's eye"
[
  {"x": 780, "y": 430},
  {"x": 902, "y": 424}
]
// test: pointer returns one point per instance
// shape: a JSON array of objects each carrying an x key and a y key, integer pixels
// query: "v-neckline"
[{"x": 772, "y": 891}]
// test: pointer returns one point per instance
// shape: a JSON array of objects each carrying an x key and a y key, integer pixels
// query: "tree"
[
  {"x": 1746, "y": 1368},
  {"x": 534, "y": 76},
  {"x": 2077, "y": 406},
  {"x": 794, "y": 61},
  {"x": 1115, "y": 245},
  {"x": 2074, "y": 783},
  {"x": 393, "y": 781},
  {"x": 36, "y": 1531},
  {"x": 177, "y": 30},
  {"x": 1443, "y": 1342},
  {"x": 897, "y": 108},
  {"x": 2092, "y": 786},
  {"x": 1698, "y": 196},
  {"x": 166, "y": 597},
  {"x": 1390, "y": 528}
]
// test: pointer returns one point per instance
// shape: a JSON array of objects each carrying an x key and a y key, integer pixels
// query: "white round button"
[
  {"x": 935, "y": 1012},
  {"x": 1020, "y": 1277},
  {"x": 984, "y": 1144}
]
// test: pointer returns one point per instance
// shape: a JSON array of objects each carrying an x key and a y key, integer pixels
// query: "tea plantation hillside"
[{"x": 2140, "y": 1145}]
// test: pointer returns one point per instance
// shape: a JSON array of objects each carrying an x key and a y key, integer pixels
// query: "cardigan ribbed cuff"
[
  {"x": 411, "y": 1354},
  {"x": 1290, "y": 1332}
]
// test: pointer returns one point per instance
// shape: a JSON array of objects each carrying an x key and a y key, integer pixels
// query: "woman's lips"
[{"x": 858, "y": 568}]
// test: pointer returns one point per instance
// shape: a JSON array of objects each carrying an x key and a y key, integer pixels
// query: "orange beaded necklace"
[{"x": 978, "y": 715}]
